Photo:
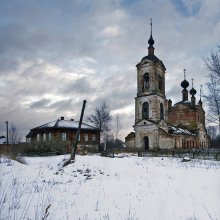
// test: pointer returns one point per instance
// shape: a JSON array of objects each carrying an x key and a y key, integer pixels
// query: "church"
[{"x": 159, "y": 123}]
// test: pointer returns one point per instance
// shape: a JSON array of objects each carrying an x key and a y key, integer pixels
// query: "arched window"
[
  {"x": 146, "y": 81},
  {"x": 145, "y": 111},
  {"x": 161, "y": 111}
]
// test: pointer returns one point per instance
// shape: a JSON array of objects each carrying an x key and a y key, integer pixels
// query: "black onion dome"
[
  {"x": 192, "y": 91},
  {"x": 184, "y": 84},
  {"x": 151, "y": 41}
]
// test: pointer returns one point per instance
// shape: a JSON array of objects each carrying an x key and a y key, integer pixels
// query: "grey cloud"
[
  {"x": 81, "y": 85},
  {"x": 61, "y": 33},
  {"x": 174, "y": 93},
  {"x": 40, "y": 104},
  {"x": 63, "y": 105}
]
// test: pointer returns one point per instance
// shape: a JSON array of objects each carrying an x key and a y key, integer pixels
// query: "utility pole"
[
  {"x": 73, "y": 153},
  {"x": 7, "y": 142}
]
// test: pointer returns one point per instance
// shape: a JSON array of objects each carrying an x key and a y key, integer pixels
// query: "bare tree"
[
  {"x": 211, "y": 132},
  {"x": 212, "y": 95},
  {"x": 14, "y": 136},
  {"x": 101, "y": 119},
  {"x": 213, "y": 64},
  {"x": 117, "y": 127}
]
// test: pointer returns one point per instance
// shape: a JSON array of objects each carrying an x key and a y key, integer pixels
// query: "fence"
[{"x": 204, "y": 154}]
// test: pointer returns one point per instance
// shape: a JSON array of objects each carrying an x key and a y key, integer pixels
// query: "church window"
[
  {"x": 146, "y": 81},
  {"x": 145, "y": 110},
  {"x": 161, "y": 111},
  {"x": 160, "y": 83}
]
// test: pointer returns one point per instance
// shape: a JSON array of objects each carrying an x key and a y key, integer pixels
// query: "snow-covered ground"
[{"x": 109, "y": 188}]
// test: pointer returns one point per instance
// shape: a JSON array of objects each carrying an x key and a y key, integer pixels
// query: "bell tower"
[{"x": 150, "y": 102}]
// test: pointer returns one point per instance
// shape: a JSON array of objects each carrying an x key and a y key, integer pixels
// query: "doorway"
[{"x": 146, "y": 143}]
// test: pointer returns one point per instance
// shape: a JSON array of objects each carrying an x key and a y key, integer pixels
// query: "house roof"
[{"x": 68, "y": 124}]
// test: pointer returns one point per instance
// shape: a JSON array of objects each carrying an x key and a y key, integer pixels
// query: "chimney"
[
  {"x": 169, "y": 105},
  {"x": 62, "y": 118}
]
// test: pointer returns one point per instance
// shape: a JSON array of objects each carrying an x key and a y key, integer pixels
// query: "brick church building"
[{"x": 159, "y": 123}]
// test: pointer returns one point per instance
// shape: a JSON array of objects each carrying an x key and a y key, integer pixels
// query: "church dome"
[
  {"x": 151, "y": 41},
  {"x": 184, "y": 84},
  {"x": 192, "y": 91}
]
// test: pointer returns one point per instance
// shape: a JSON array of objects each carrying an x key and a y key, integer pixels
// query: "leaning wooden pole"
[{"x": 73, "y": 152}]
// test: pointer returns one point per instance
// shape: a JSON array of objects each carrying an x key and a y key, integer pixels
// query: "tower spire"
[
  {"x": 151, "y": 26},
  {"x": 200, "y": 92},
  {"x": 192, "y": 82},
  {"x": 200, "y": 100},
  {"x": 151, "y": 41},
  {"x": 193, "y": 92},
  {"x": 184, "y": 85}
]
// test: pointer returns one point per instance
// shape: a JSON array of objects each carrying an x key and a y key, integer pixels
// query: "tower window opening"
[
  {"x": 146, "y": 81},
  {"x": 161, "y": 111},
  {"x": 145, "y": 110},
  {"x": 160, "y": 83}
]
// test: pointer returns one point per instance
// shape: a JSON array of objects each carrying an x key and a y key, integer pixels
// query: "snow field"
[{"x": 97, "y": 187}]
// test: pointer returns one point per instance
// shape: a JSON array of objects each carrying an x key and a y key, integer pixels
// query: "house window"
[
  {"x": 160, "y": 83},
  {"x": 79, "y": 138},
  {"x": 38, "y": 137},
  {"x": 29, "y": 140},
  {"x": 93, "y": 137},
  {"x": 63, "y": 137},
  {"x": 49, "y": 136},
  {"x": 146, "y": 81},
  {"x": 145, "y": 111},
  {"x": 44, "y": 136},
  {"x": 86, "y": 137},
  {"x": 161, "y": 111}
]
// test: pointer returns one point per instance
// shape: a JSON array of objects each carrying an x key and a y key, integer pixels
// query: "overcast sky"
[{"x": 54, "y": 54}]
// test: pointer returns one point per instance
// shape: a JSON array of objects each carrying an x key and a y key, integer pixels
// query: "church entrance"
[{"x": 146, "y": 143}]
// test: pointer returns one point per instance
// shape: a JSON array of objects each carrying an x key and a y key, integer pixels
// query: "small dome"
[
  {"x": 184, "y": 84},
  {"x": 151, "y": 41},
  {"x": 192, "y": 91}
]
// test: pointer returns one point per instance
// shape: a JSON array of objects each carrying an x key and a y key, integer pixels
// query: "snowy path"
[{"x": 110, "y": 188}]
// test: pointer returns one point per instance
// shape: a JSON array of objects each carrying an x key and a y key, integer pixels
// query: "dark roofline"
[
  {"x": 55, "y": 126},
  {"x": 152, "y": 58}
]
